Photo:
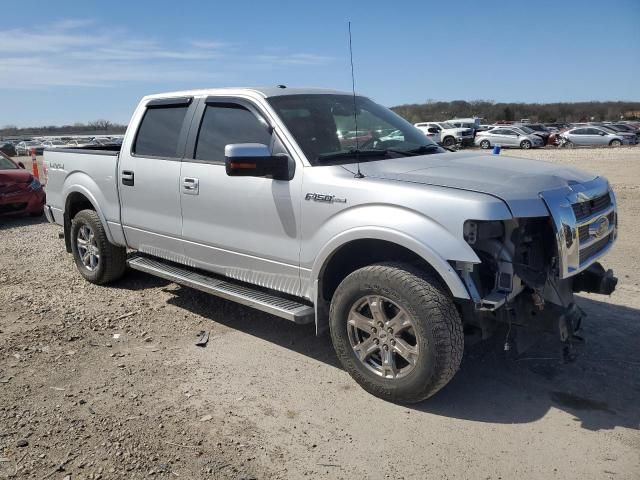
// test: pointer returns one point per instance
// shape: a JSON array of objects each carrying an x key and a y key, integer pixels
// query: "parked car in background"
[
  {"x": 624, "y": 128},
  {"x": 557, "y": 125},
  {"x": 508, "y": 137},
  {"x": 473, "y": 123},
  {"x": 539, "y": 130},
  {"x": 596, "y": 136},
  {"x": 20, "y": 191},
  {"x": 8, "y": 148},
  {"x": 54, "y": 144},
  {"x": 631, "y": 136},
  {"x": 555, "y": 136},
  {"x": 449, "y": 134},
  {"x": 25, "y": 147},
  {"x": 83, "y": 142}
]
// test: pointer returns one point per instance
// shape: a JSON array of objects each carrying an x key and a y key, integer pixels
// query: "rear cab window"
[{"x": 161, "y": 128}]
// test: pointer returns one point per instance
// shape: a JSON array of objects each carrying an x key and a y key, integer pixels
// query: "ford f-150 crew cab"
[{"x": 395, "y": 244}]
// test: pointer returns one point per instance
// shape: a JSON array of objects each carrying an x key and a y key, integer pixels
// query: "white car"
[
  {"x": 508, "y": 137},
  {"x": 79, "y": 143},
  {"x": 54, "y": 144},
  {"x": 449, "y": 134},
  {"x": 598, "y": 136}
]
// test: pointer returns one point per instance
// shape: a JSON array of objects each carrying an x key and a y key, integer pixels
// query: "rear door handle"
[
  {"x": 190, "y": 185},
  {"x": 127, "y": 178}
]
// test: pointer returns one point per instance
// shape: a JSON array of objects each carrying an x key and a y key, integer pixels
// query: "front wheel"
[
  {"x": 615, "y": 143},
  {"x": 97, "y": 260},
  {"x": 525, "y": 144},
  {"x": 449, "y": 142},
  {"x": 485, "y": 144},
  {"x": 396, "y": 331}
]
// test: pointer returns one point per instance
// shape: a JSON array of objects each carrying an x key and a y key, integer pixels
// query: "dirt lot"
[{"x": 106, "y": 382}]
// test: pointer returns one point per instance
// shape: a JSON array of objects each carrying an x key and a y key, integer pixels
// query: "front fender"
[{"x": 407, "y": 228}]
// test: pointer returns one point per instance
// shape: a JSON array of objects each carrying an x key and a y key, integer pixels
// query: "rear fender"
[{"x": 85, "y": 185}]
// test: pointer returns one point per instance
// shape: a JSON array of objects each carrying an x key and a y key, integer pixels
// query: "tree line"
[
  {"x": 102, "y": 127},
  {"x": 430, "y": 111},
  {"x": 537, "y": 112}
]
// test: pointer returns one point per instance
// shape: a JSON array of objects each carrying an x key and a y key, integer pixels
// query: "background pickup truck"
[{"x": 393, "y": 243}]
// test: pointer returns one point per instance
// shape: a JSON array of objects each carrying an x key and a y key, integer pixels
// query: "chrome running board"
[{"x": 240, "y": 293}]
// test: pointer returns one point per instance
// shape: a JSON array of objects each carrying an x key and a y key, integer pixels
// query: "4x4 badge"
[{"x": 319, "y": 197}]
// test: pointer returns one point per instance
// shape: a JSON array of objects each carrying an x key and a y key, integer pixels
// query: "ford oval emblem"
[{"x": 599, "y": 227}]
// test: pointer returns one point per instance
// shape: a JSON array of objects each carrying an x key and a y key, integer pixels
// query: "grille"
[
  {"x": 583, "y": 231},
  {"x": 586, "y": 209},
  {"x": 594, "y": 248}
]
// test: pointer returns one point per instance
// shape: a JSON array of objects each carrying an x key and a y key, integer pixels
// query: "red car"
[{"x": 20, "y": 192}]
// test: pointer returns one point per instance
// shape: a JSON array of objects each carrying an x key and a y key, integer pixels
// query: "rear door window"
[{"x": 159, "y": 131}]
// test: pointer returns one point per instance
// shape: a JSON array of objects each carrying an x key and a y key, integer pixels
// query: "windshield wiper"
[
  {"x": 422, "y": 149},
  {"x": 363, "y": 154},
  {"x": 353, "y": 154}
]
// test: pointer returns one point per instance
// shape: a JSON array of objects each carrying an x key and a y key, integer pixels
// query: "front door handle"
[
  {"x": 190, "y": 186},
  {"x": 127, "y": 178}
]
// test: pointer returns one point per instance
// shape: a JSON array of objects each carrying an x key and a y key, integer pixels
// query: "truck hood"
[{"x": 518, "y": 182}]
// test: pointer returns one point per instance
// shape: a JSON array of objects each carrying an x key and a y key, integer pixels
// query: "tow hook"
[{"x": 568, "y": 324}]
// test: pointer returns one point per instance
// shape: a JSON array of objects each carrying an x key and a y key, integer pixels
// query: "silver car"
[
  {"x": 597, "y": 136},
  {"x": 508, "y": 137}
]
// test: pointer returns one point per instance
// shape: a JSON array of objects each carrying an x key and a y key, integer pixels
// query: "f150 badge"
[{"x": 320, "y": 197}]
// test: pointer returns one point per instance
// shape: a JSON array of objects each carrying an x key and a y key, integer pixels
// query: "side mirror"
[
  {"x": 255, "y": 160},
  {"x": 21, "y": 165},
  {"x": 602, "y": 134}
]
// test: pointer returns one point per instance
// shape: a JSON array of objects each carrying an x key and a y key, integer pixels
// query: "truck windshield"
[{"x": 324, "y": 127}]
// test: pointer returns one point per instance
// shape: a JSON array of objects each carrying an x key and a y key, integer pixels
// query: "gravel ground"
[{"x": 106, "y": 382}]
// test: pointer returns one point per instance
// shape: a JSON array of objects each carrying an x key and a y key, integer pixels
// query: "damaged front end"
[{"x": 531, "y": 267}]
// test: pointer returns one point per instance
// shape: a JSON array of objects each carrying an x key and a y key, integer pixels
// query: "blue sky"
[{"x": 64, "y": 61}]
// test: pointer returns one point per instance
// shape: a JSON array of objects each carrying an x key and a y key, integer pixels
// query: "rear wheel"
[
  {"x": 525, "y": 144},
  {"x": 97, "y": 260},
  {"x": 485, "y": 144},
  {"x": 396, "y": 331},
  {"x": 615, "y": 143}
]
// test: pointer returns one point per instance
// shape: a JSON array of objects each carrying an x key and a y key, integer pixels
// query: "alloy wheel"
[
  {"x": 383, "y": 336},
  {"x": 88, "y": 248}
]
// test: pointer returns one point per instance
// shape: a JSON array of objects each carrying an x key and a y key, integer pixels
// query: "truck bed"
[{"x": 91, "y": 172}]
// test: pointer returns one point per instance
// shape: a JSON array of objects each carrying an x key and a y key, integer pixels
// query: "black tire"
[
  {"x": 112, "y": 259},
  {"x": 449, "y": 142},
  {"x": 485, "y": 144},
  {"x": 615, "y": 143},
  {"x": 438, "y": 329},
  {"x": 525, "y": 144}
]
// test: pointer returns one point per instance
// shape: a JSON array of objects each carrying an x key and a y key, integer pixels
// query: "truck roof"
[{"x": 262, "y": 91}]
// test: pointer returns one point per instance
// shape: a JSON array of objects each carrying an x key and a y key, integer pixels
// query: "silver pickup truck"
[{"x": 395, "y": 244}]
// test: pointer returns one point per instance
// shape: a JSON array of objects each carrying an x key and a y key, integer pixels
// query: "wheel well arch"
[
  {"x": 74, "y": 203},
  {"x": 359, "y": 253}
]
